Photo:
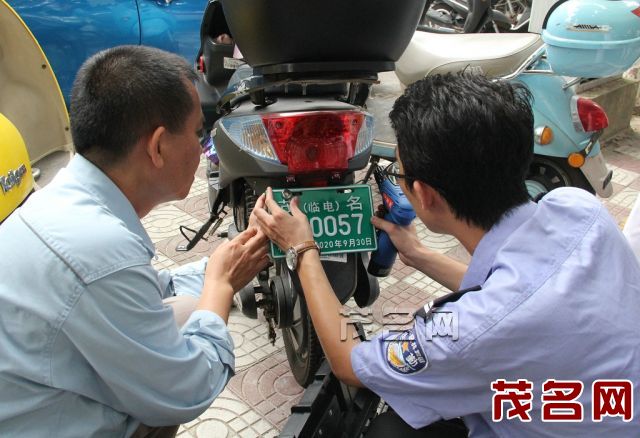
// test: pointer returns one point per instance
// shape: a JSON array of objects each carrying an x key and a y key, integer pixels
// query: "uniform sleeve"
[
  {"x": 423, "y": 381},
  {"x": 139, "y": 363},
  {"x": 632, "y": 228}
]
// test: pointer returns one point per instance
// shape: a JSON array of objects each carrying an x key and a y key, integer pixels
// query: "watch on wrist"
[{"x": 294, "y": 252}]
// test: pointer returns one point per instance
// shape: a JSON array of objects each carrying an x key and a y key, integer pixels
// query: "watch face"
[{"x": 292, "y": 259}]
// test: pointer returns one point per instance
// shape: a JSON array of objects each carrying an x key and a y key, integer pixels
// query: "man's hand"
[
  {"x": 285, "y": 229},
  {"x": 231, "y": 267},
  {"x": 442, "y": 268},
  {"x": 235, "y": 262},
  {"x": 405, "y": 239}
]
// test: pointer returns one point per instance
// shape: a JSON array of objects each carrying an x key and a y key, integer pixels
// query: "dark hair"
[
  {"x": 469, "y": 138},
  {"x": 124, "y": 93}
]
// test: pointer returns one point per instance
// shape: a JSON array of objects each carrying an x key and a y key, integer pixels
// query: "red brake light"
[
  {"x": 591, "y": 115},
  {"x": 308, "y": 142}
]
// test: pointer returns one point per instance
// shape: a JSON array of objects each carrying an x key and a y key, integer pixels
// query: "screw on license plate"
[{"x": 288, "y": 195}]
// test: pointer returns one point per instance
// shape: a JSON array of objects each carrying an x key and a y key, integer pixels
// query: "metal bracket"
[
  {"x": 257, "y": 84},
  {"x": 193, "y": 237}
]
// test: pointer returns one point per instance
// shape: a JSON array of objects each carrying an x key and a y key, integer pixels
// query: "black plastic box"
[
  {"x": 214, "y": 54},
  {"x": 213, "y": 25},
  {"x": 303, "y": 33}
]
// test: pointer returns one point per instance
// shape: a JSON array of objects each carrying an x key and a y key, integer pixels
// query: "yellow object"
[
  {"x": 29, "y": 93},
  {"x": 16, "y": 181},
  {"x": 33, "y": 117},
  {"x": 575, "y": 160},
  {"x": 547, "y": 136}
]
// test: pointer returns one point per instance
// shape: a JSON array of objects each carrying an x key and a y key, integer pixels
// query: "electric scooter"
[
  {"x": 566, "y": 127},
  {"x": 296, "y": 122}
]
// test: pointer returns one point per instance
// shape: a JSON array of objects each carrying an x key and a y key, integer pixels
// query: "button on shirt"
[
  {"x": 88, "y": 348},
  {"x": 560, "y": 299}
]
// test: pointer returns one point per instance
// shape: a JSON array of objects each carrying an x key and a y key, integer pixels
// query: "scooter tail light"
[
  {"x": 365, "y": 137},
  {"x": 307, "y": 142},
  {"x": 319, "y": 141},
  {"x": 587, "y": 115},
  {"x": 249, "y": 133}
]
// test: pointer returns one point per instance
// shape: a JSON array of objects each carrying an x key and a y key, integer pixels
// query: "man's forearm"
[
  {"x": 442, "y": 268},
  {"x": 217, "y": 298},
  {"x": 325, "y": 310}
]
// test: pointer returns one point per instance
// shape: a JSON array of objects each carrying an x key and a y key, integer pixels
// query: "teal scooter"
[{"x": 581, "y": 39}]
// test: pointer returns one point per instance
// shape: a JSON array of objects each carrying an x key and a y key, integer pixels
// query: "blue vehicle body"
[
  {"x": 552, "y": 107},
  {"x": 70, "y": 31}
]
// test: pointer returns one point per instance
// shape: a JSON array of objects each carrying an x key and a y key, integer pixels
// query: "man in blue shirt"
[
  {"x": 543, "y": 337},
  {"x": 89, "y": 347}
]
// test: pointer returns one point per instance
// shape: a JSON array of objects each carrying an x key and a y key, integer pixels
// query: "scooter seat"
[{"x": 491, "y": 54}]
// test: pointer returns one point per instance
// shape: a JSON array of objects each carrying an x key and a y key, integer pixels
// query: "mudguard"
[
  {"x": 31, "y": 97},
  {"x": 33, "y": 118}
]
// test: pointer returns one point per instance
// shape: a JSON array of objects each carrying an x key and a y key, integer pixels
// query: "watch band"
[{"x": 305, "y": 246}]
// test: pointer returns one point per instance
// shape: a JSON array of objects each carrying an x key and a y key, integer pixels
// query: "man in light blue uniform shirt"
[
  {"x": 552, "y": 292},
  {"x": 90, "y": 345}
]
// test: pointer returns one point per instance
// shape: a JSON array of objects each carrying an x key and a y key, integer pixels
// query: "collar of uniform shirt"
[
  {"x": 484, "y": 255},
  {"x": 105, "y": 191}
]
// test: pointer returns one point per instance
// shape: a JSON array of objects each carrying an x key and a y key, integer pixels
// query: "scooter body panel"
[{"x": 552, "y": 107}]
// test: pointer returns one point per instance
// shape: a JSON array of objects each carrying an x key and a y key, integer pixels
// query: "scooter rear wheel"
[
  {"x": 244, "y": 207},
  {"x": 302, "y": 345},
  {"x": 303, "y": 349},
  {"x": 548, "y": 173}
]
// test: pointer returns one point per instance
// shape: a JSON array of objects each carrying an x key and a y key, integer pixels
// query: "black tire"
[
  {"x": 244, "y": 207},
  {"x": 548, "y": 173},
  {"x": 302, "y": 345}
]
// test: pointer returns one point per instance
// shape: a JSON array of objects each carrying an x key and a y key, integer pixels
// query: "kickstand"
[{"x": 218, "y": 214}]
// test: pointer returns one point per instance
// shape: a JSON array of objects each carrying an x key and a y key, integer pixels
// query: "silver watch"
[{"x": 294, "y": 251}]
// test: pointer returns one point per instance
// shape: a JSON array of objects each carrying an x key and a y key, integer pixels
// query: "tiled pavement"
[{"x": 257, "y": 400}]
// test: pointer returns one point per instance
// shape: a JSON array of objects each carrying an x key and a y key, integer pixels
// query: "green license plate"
[{"x": 340, "y": 217}]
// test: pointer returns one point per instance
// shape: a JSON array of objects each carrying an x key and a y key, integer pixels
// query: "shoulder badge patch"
[{"x": 404, "y": 354}]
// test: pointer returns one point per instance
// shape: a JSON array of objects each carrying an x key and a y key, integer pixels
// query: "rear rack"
[
  {"x": 366, "y": 67},
  {"x": 255, "y": 86}
]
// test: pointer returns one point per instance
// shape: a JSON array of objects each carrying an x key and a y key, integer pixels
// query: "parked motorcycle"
[
  {"x": 295, "y": 121},
  {"x": 462, "y": 16},
  {"x": 573, "y": 45}
]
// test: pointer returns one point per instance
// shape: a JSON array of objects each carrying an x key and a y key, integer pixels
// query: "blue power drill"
[{"x": 399, "y": 211}]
